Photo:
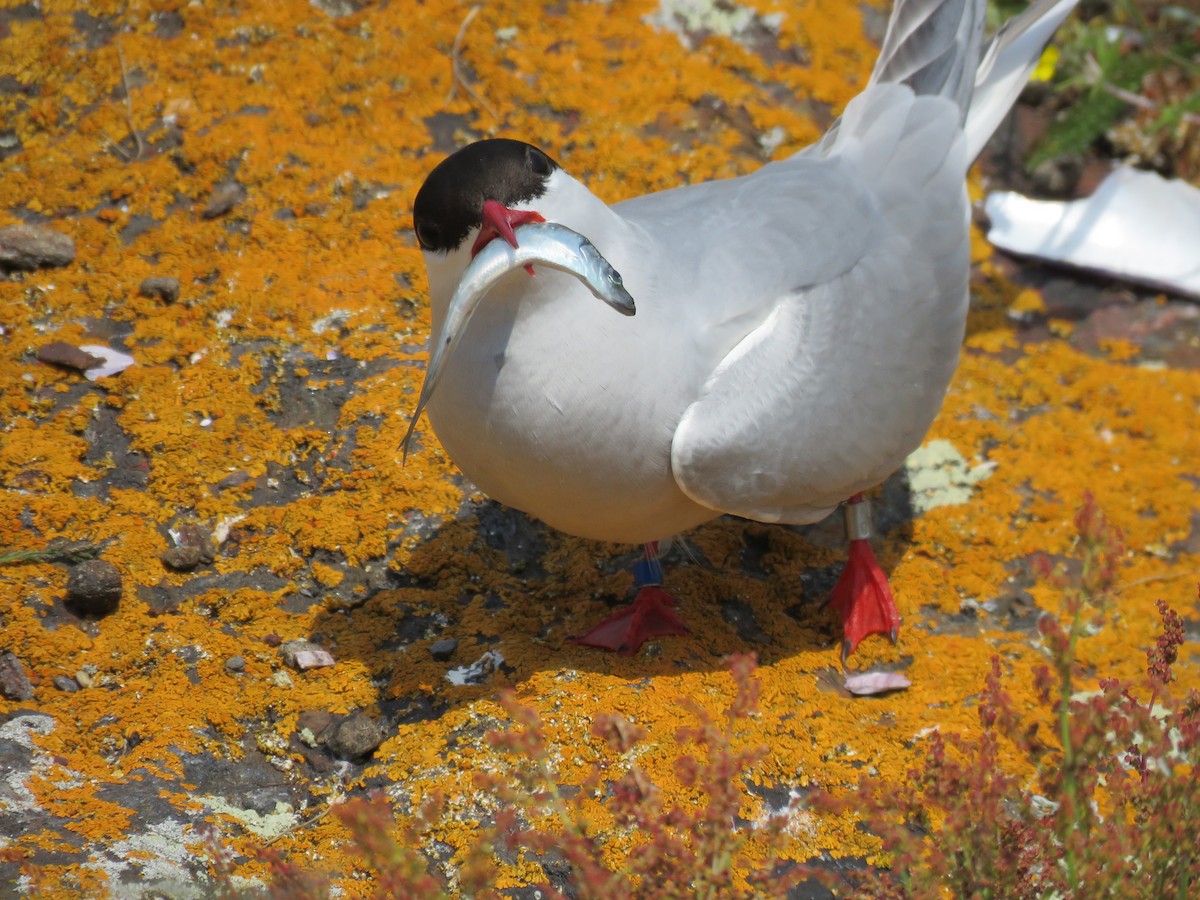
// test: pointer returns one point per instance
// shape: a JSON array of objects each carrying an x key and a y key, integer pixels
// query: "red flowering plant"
[{"x": 1112, "y": 812}]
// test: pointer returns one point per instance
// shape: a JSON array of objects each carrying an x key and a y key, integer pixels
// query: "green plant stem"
[
  {"x": 1138, "y": 17},
  {"x": 58, "y": 550}
]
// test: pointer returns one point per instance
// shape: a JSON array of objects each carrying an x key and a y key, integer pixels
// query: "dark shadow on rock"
[
  {"x": 411, "y": 610},
  {"x": 408, "y": 606}
]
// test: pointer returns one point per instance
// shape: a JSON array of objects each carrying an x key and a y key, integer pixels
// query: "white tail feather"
[
  {"x": 933, "y": 45},
  {"x": 1008, "y": 61}
]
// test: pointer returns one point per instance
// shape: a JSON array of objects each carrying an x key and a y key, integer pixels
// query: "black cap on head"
[{"x": 450, "y": 202}]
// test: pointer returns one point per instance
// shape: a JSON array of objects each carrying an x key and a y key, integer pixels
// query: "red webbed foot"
[
  {"x": 862, "y": 597},
  {"x": 652, "y": 613}
]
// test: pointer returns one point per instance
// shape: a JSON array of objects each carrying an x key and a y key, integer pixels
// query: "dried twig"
[
  {"x": 116, "y": 147},
  {"x": 1143, "y": 102},
  {"x": 457, "y": 78},
  {"x": 1095, "y": 75},
  {"x": 137, "y": 138},
  {"x": 1166, "y": 576}
]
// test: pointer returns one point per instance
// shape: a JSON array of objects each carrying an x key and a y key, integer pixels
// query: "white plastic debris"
[
  {"x": 1137, "y": 226},
  {"x": 477, "y": 672},
  {"x": 114, "y": 361}
]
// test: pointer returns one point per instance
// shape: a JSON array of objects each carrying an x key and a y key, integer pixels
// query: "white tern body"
[{"x": 796, "y": 328}]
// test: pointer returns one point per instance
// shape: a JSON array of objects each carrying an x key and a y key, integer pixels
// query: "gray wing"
[
  {"x": 732, "y": 247},
  {"x": 843, "y": 376}
]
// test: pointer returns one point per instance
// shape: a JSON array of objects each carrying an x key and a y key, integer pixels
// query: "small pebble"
[
  {"x": 193, "y": 534},
  {"x": 14, "y": 683},
  {"x": 182, "y": 558},
  {"x": 235, "y": 664},
  {"x": 165, "y": 289},
  {"x": 84, "y": 679},
  {"x": 94, "y": 588},
  {"x": 194, "y": 545},
  {"x": 355, "y": 738},
  {"x": 32, "y": 246},
  {"x": 66, "y": 683},
  {"x": 224, "y": 197},
  {"x": 233, "y": 480},
  {"x": 444, "y": 649},
  {"x": 304, "y": 655}
]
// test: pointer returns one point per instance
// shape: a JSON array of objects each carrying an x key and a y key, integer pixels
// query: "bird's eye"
[
  {"x": 539, "y": 162},
  {"x": 427, "y": 234}
]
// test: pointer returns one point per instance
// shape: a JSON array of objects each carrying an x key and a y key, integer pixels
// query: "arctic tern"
[{"x": 795, "y": 333}]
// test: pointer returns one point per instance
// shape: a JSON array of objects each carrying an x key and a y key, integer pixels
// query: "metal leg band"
[{"x": 858, "y": 520}]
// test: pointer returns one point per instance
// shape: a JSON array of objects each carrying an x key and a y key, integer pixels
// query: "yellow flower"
[{"x": 1046, "y": 65}]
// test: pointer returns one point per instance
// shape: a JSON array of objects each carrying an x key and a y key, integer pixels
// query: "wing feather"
[{"x": 843, "y": 377}]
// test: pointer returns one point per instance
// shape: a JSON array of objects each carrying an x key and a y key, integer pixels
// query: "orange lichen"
[{"x": 311, "y": 287}]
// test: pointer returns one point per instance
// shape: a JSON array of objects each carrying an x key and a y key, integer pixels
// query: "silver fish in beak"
[{"x": 543, "y": 244}]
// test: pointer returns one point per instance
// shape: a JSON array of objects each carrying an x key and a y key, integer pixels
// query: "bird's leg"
[
  {"x": 652, "y": 613},
  {"x": 862, "y": 597}
]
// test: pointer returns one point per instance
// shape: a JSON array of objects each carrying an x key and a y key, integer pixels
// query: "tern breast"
[{"x": 559, "y": 406}]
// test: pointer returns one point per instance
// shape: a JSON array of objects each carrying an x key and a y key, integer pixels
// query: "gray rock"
[
  {"x": 94, "y": 588},
  {"x": 355, "y": 738},
  {"x": 14, "y": 683},
  {"x": 443, "y": 650},
  {"x": 235, "y": 664},
  {"x": 183, "y": 558},
  {"x": 32, "y": 247},
  {"x": 224, "y": 197},
  {"x": 66, "y": 683},
  {"x": 165, "y": 289},
  {"x": 194, "y": 545}
]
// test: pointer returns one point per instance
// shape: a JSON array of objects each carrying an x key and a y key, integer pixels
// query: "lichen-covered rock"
[
  {"x": 165, "y": 289},
  {"x": 355, "y": 738}
]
